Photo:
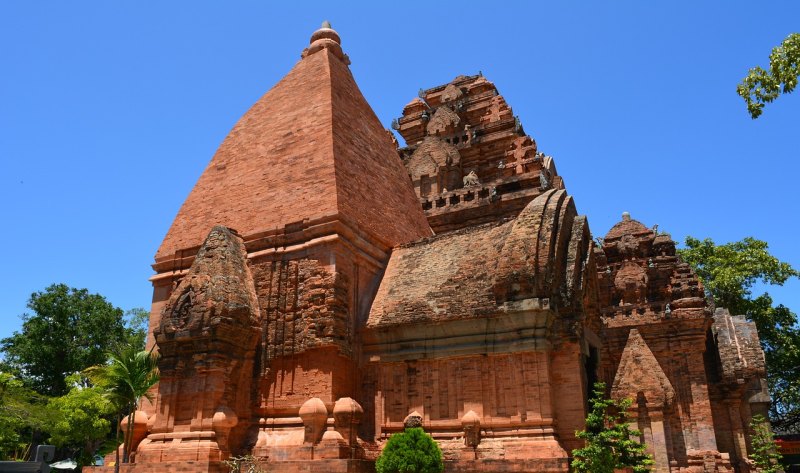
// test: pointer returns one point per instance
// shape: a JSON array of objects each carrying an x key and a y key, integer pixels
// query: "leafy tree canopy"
[
  {"x": 136, "y": 321},
  {"x": 610, "y": 442},
  {"x": 82, "y": 419},
  {"x": 22, "y": 412},
  {"x": 68, "y": 331},
  {"x": 760, "y": 86},
  {"x": 730, "y": 272},
  {"x": 125, "y": 379},
  {"x": 412, "y": 451}
]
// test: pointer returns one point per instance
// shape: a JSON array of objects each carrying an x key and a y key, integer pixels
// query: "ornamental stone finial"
[{"x": 326, "y": 38}]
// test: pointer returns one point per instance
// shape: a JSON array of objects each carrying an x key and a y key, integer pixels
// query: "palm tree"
[{"x": 127, "y": 377}]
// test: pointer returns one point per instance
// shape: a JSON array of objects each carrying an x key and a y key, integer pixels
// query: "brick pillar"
[
  {"x": 700, "y": 410},
  {"x": 569, "y": 396},
  {"x": 659, "y": 441},
  {"x": 737, "y": 430}
]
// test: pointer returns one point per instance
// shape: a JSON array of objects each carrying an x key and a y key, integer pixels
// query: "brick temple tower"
[
  {"x": 321, "y": 287},
  {"x": 312, "y": 184}
]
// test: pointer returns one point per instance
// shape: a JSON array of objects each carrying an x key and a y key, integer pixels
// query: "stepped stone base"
[
  {"x": 323, "y": 466},
  {"x": 172, "y": 467},
  {"x": 556, "y": 465},
  {"x": 299, "y": 466}
]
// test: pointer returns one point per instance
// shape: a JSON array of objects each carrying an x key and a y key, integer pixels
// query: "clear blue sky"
[{"x": 109, "y": 112}]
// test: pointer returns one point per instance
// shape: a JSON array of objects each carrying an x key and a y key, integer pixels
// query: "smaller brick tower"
[{"x": 666, "y": 350}]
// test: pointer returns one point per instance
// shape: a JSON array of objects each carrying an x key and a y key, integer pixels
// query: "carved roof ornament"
[
  {"x": 392, "y": 138},
  {"x": 631, "y": 283},
  {"x": 628, "y": 226},
  {"x": 544, "y": 182},
  {"x": 497, "y": 111},
  {"x": 443, "y": 121},
  {"x": 663, "y": 245},
  {"x": 452, "y": 93},
  {"x": 431, "y": 155},
  {"x": 415, "y": 106},
  {"x": 326, "y": 38},
  {"x": 523, "y": 147},
  {"x": 218, "y": 289}
]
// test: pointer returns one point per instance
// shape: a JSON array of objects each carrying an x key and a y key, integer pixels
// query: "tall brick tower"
[{"x": 256, "y": 324}]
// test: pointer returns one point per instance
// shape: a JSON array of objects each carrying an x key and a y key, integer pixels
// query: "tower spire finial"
[{"x": 326, "y": 38}]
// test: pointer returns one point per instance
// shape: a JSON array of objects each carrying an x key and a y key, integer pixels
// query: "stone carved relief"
[
  {"x": 628, "y": 246},
  {"x": 631, "y": 283},
  {"x": 471, "y": 180},
  {"x": 181, "y": 315},
  {"x": 203, "y": 298}
]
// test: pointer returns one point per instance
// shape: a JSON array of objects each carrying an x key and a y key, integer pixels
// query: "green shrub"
[
  {"x": 611, "y": 444},
  {"x": 765, "y": 453},
  {"x": 412, "y": 451}
]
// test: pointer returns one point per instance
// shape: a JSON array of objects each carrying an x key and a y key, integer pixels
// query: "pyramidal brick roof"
[{"x": 310, "y": 148}]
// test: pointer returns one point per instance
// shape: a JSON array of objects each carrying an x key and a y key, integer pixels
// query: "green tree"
[
  {"x": 136, "y": 321},
  {"x": 23, "y": 415},
  {"x": 765, "y": 451},
  {"x": 125, "y": 379},
  {"x": 412, "y": 451},
  {"x": 82, "y": 419},
  {"x": 760, "y": 87},
  {"x": 610, "y": 442},
  {"x": 730, "y": 272},
  {"x": 68, "y": 331}
]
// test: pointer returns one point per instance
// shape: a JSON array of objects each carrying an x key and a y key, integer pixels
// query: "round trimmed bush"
[{"x": 412, "y": 451}]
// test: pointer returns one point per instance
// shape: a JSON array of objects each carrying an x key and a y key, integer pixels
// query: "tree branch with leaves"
[
  {"x": 762, "y": 86},
  {"x": 126, "y": 378}
]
